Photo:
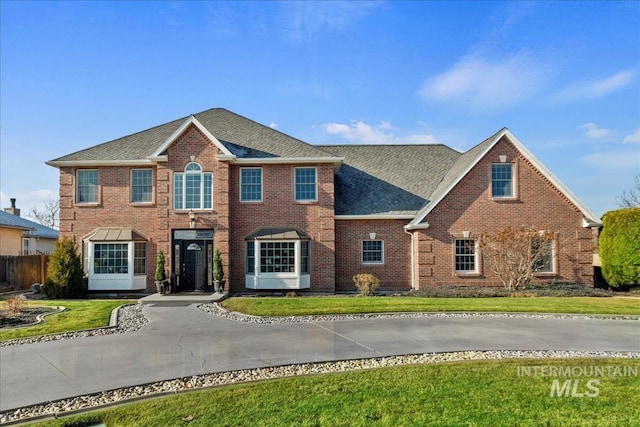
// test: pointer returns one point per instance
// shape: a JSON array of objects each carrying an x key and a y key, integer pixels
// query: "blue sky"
[{"x": 564, "y": 77}]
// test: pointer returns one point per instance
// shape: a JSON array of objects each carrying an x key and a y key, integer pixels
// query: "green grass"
[
  {"x": 342, "y": 305},
  {"x": 487, "y": 393},
  {"x": 80, "y": 314}
]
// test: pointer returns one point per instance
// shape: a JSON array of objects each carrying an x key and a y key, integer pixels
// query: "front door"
[
  {"x": 194, "y": 269},
  {"x": 192, "y": 260}
]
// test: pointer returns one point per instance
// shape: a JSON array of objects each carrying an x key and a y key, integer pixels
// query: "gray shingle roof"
[
  {"x": 31, "y": 228},
  {"x": 388, "y": 179},
  {"x": 243, "y": 137}
]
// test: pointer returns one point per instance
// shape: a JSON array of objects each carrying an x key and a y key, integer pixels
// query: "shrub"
[
  {"x": 218, "y": 270},
  {"x": 160, "y": 275},
  {"x": 366, "y": 283},
  {"x": 620, "y": 247},
  {"x": 14, "y": 305},
  {"x": 64, "y": 274}
]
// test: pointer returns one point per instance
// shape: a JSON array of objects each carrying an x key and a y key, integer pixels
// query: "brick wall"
[
  {"x": 278, "y": 209},
  {"x": 470, "y": 207},
  {"x": 394, "y": 273}
]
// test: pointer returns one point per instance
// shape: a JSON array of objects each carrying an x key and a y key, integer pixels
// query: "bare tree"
[
  {"x": 631, "y": 198},
  {"x": 515, "y": 254},
  {"x": 48, "y": 216}
]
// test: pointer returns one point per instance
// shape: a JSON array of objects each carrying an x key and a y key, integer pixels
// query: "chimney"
[{"x": 13, "y": 210}]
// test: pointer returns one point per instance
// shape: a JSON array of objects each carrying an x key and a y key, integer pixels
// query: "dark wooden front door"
[{"x": 194, "y": 267}]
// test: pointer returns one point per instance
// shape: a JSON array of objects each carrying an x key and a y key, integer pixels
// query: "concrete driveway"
[{"x": 181, "y": 341}]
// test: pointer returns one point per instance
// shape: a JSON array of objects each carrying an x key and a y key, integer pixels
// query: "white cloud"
[
  {"x": 304, "y": 20},
  {"x": 615, "y": 160},
  {"x": 383, "y": 133},
  {"x": 273, "y": 125},
  {"x": 594, "y": 132},
  {"x": 485, "y": 84},
  {"x": 596, "y": 88},
  {"x": 633, "y": 138}
]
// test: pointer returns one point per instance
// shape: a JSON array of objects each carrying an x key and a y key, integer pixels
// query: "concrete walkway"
[{"x": 182, "y": 341}]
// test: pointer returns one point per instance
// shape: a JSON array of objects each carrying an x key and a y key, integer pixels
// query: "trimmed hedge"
[{"x": 620, "y": 247}]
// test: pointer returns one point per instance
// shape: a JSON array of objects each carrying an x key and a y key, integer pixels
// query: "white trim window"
[
  {"x": 278, "y": 264},
  {"x": 87, "y": 186},
  {"x": 26, "y": 246},
  {"x": 193, "y": 188},
  {"x": 250, "y": 184},
  {"x": 372, "y": 252},
  {"x": 306, "y": 185},
  {"x": 545, "y": 260},
  {"x": 502, "y": 181},
  {"x": 141, "y": 185},
  {"x": 110, "y": 258},
  {"x": 466, "y": 256},
  {"x": 140, "y": 258}
]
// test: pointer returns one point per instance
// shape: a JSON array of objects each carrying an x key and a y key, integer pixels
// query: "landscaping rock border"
[{"x": 75, "y": 405}]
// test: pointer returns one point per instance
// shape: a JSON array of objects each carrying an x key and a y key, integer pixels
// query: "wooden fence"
[{"x": 20, "y": 272}]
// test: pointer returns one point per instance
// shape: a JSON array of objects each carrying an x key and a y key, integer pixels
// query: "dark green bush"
[
  {"x": 65, "y": 278},
  {"x": 620, "y": 247}
]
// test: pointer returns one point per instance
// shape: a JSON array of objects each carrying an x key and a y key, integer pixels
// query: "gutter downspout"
[
  {"x": 407, "y": 228},
  {"x": 413, "y": 269}
]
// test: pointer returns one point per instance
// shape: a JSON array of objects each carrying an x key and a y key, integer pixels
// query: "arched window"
[{"x": 192, "y": 189}]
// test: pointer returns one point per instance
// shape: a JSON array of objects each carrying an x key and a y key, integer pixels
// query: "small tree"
[
  {"x": 631, "y": 198},
  {"x": 620, "y": 247},
  {"x": 218, "y": 270},
  {"x": 49, "y": 216},
  {"x": 366, "y": 283},
  {"x": 161, "y": 274},
  {"x": 65, "y": 278},
  {"x": 515, "y": 254}
]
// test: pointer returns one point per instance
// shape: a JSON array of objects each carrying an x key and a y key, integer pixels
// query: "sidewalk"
[{"x": 183, "y": 340}]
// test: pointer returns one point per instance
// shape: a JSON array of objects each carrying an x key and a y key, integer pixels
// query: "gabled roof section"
[
  {"x": 191, "y": 120},
  {"x": 235, "y": 136},
  {"x": 388, "y": 180},
  {"x": 469, "y": 159},
  {"x": 31, "y": 229}
]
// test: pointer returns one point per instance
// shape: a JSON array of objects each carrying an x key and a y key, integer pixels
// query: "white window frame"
[
  {"x": 26, "y": 246},
  {"x": 132, "y": 186},
  {"x": 189, "y": 171},
  {"x": 296, "y": 279},
  {"x": 476, "y": 260},
  {"x": 512, "y": 181},
  {"x": 242, "y": 184},
  {"x": 97, "y": 187},
  {"x": 552, "y": 262},
  {"x": 295, "y": 185},
  {"x": 362, "y": 252}
]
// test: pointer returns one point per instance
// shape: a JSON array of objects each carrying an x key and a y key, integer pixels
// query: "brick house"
[{"x": 288, "y": 215}]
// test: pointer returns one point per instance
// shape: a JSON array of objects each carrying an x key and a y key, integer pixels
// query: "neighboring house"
[
  {"x": 19, "y": 236},
  {"x": 289, "y": 215}
]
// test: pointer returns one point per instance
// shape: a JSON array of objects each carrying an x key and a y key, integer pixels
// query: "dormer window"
[{"x": 193, "y": 188}]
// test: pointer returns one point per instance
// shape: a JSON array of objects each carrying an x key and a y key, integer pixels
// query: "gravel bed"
[
  {"x": 216, "y": 309},
  {"x": 122, "y": 395},
  {"x": 130, "y": 318}
]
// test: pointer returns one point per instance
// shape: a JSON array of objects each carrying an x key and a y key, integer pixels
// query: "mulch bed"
[{"x": 25, "y": 317}]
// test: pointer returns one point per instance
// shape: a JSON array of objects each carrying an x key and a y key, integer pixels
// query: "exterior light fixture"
[{"x": 192, "y": 219}]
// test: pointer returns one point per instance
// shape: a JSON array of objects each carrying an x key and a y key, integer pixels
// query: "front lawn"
[
  {"x": 472, "y": 393},
  {"x": 274, "y": 306},
  {"x": 80, "y": 314}
]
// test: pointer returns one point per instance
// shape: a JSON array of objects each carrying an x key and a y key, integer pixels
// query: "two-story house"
[{"x": 289, "y": 215}]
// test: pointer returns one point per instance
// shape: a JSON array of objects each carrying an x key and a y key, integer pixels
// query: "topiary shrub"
[
  {"x": 620, "y": 247},
  {"x": 366, "y": 283},
  {"x": 65, "y": 278}
]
